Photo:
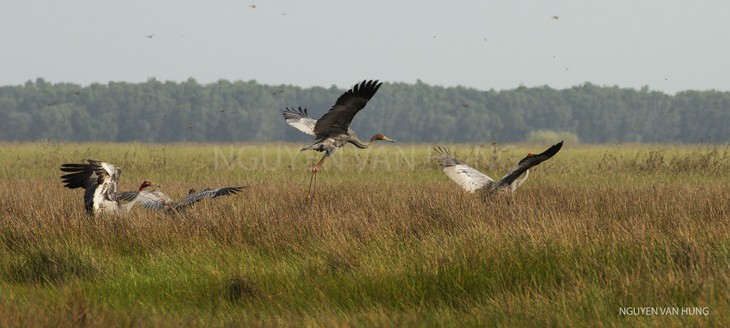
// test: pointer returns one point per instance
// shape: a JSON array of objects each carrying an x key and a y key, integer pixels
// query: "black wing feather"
[
  {"x": 337, "y": 120},
  {"x": 78, "y": 176},
  {"x": 529, "y": 162}
]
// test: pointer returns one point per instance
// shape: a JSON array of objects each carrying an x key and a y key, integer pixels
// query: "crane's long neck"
[{"x": 359, "y": 144}]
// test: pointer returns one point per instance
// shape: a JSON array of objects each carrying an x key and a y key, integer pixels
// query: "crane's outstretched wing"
[
  {"x": 127, "y": 196},
  {"x": 528, "y": 162},
  {"x": 150, "y": 199},
  {"x": 195, "y": 197},
  {"x": 464, "y": 175},
  {"x": 106, "y": 171},
  {"x": 299, "y": 119},
  {"x": 78, "y": 176},
  {"x": 337, "y": 119}
]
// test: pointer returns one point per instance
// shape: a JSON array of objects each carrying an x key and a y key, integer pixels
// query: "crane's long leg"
[
  {"x": 313, "y": 179},
  {"x": 314, "y": 186},
  {"x": 310, "y": 194}
]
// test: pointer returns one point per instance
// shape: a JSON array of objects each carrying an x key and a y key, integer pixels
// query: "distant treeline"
[{"x": 225, "y": 111}]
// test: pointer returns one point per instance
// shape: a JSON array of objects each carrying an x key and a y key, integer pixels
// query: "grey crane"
[
  {"x": 99, "y": 180},
  {"x": 472, "y": 180},
  {"x": 157, "y": 201},
  {"x": 332, "y": 130}
]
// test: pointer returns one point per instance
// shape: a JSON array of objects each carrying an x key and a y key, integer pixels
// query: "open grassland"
[{"x": 389, "y": 240}]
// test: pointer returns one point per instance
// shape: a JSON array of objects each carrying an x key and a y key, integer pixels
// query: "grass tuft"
[
  {"x": 50, "y": 265},
  {"x": 240, "y": 289}
]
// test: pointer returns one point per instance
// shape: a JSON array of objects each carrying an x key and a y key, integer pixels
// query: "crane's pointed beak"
[{"x": 388, "y": 139}]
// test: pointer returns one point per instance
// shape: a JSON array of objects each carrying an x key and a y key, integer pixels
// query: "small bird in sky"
[
  {"x": 150, "y": 36},
  {"x": 555, "y": 17},
  {"x": 253, "y": 6}
]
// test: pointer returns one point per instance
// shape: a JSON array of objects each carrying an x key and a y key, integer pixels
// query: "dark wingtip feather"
[
  {"x": 366, "y": 89},
  {"x": 229, "y": 191},
  {"x": 291, "y": 113},
  {"x": 553, "y": 149},
  {"x": 69, "y": 167},
  {"x": 445, "y": 157},
  {"x": 78, "y": 175},
  {"x": 441, "y": 152},
  {"x": 550, "y": 152}
]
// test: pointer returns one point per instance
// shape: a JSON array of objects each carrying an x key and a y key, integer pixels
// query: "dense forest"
[{"x": 226, "y": 111}]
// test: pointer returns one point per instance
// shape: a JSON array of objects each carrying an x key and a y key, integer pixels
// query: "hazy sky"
[{"x": 668, "y": 45}]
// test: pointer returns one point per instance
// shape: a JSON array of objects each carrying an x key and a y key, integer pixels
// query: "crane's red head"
[
  {"x": 381, "y": 136},
  {"x": 145, "y": 184},
  {"x": 526, "y": 158}
]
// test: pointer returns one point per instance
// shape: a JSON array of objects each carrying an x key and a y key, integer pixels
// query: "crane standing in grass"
[
  {"x": 332, "y": 130},
  {"x": 472, "y": 180}
]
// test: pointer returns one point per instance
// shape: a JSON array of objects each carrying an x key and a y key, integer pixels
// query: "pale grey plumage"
[
  {"x": 157, "y": 201},
  {"x": 299, "y": 119},
  {"x": 472, "y": 180}
]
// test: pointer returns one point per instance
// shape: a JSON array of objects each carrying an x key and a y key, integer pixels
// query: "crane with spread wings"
[
  {"x": 332, "y": 130},
  {"x": 472, "y": 180},
  {"x": 99, "y": 180}
]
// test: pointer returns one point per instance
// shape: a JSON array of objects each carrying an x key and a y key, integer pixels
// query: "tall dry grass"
[{"x": 388, "y": 241}]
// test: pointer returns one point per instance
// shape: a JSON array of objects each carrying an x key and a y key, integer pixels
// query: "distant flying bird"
[
  {"x": 99, "y": 179},
  {"x": 472, "y": 180},
  {"x": 157, "y": 201},
  {"x": 555, "y": 17},
  {"x": 253, "y": 6},
  {"x": 149, "y": 36},
  {"x": 332, "y": 130}
]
